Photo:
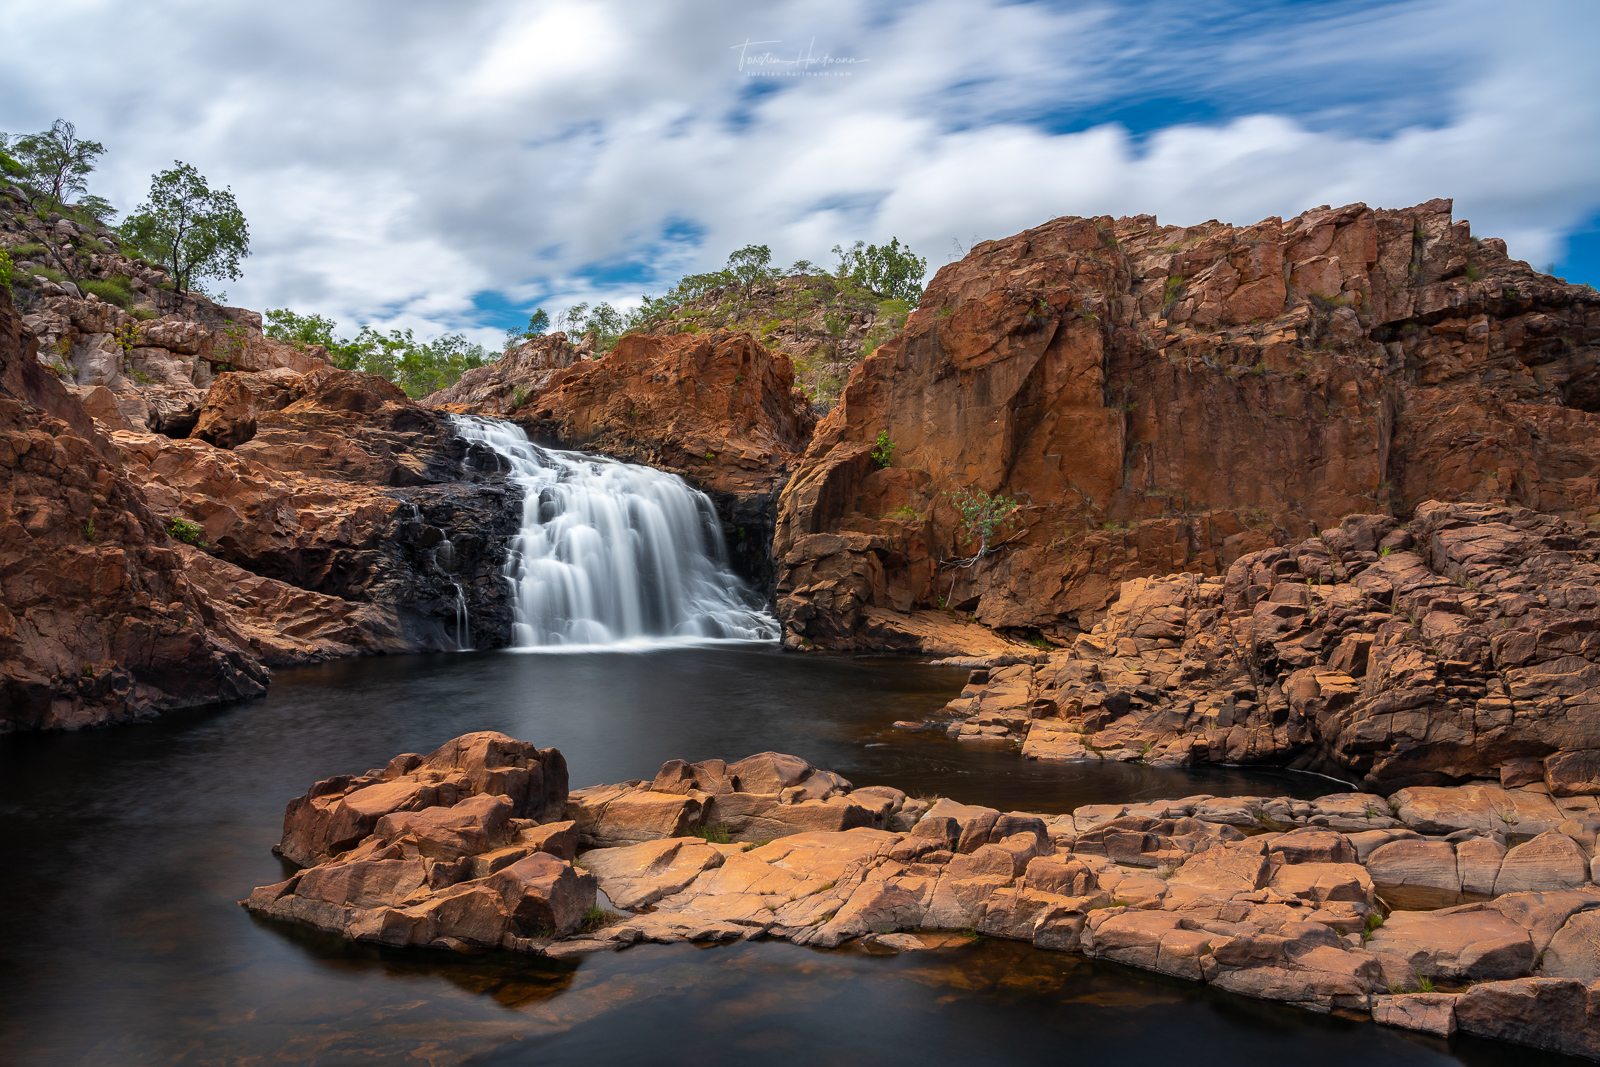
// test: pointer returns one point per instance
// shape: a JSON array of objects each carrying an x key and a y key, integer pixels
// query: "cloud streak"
[{"x": 408, "y": 164}]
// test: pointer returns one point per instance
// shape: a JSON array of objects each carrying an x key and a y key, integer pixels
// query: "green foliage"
[
  {"x": 1384, "y": 550},
  {"x": 54, "y": 165},
  {"x": 596, "y": 917},
  {"x": 890, "y": 321},
  {"x": 126, "y": 336},
  {"x": 883, "y": 452},
  {"x": 194, "y": 231},
  {"x": 538, "y": 323},
  {"x": 187, "y": 532},
  {"x": 6, "y": 269},
  {"x": 891, "y": 269},
  {"x": 118, "y": 290},
  {"x": 716, "y": 834},
  {"x": 604, "y": 321},
  {"x": 984, "y": 516},
  {"x": 417, "y": 367},
  {"x": 748, "y": 266},
  {"x": 88, "y": 530}
]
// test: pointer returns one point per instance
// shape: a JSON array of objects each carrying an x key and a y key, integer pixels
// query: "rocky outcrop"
[
  {"x": 99, "y": 619},
  {"x": 336, "y": 483},
  {"x": 453, "y": 849},
  {"x": 1157, "y": 399},
  {"x": 137, "y": 353},
  {"x": 718, "y": 409},
  {"x": 1307, "y": 902},
  {"x": 1458, "y": 647}
]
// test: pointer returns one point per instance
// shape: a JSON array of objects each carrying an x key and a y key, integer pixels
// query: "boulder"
[
  {"x": 1555, "y": 1014},
  {"x": 1429, "y": 1013},
  {"x": 1471, "y": 941}
]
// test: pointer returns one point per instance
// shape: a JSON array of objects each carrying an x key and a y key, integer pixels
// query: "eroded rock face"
[
  {"x": 1261, "y": 896},
  {"x": 1164, "y": 399},
  {"x": 459, "y": 847},
  {"x": 1460, "y": 646},
  {"x": 336, "y": 483},
  {"x": 717, "y": 408},
  {"x": 98, "y": 619}
]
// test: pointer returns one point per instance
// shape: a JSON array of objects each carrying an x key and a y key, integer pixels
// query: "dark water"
[{"x": 125, "y": 850}]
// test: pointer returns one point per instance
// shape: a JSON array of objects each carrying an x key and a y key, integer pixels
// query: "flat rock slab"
[{"x": 1467, "y": 942}]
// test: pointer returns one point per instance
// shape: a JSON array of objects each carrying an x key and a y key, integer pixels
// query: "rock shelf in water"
[{"x": 1438, "y": 909}]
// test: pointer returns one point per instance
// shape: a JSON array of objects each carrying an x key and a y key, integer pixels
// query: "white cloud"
[{"x": 398, "y": 159}]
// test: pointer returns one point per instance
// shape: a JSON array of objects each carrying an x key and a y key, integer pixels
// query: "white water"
[{"x": 613, "y": 554}]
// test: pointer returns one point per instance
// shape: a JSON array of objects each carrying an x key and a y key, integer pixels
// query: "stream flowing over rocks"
[{"x": 1437, "y": 909}]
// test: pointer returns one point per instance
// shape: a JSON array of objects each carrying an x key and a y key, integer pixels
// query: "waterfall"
[{"x": 614, "y": 553}]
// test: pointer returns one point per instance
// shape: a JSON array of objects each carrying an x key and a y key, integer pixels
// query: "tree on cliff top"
[
  {"x": 191, "y": 229},
  {"x": 54, "y": 165},
  {"x": 891, "y": 269}
]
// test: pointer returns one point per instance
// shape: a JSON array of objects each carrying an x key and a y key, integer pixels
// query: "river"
[{"x": 126, "y": 849}]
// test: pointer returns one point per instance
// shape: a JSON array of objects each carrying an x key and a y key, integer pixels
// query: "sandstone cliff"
[
  {"x": 98, "y": 618},
  {"x": 1164, "y": 399}
]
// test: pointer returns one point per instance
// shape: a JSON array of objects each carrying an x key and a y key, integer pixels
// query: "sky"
[{"x": 448, "y": 167}]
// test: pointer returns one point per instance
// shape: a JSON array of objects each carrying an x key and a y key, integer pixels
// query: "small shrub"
[
  {"x": 185, "y": 531},
  {"x": 6, "y": 268},
  {"x": 984, "y": 516},
  {"x": 1373, "y": 922},
  {"x": 114, "y": 290},
  {"x": 88, "y": 530},
  {"x": 715, "y": 834},
  {"x": 596, "y": 917},
  {"x": 519, "y": 397},
  {"x": 884, "y": 450},
  {"x": 1384, "y": 550}
]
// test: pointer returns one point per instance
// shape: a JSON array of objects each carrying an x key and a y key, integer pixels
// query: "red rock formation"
[
  {"x": 98, "y": 620},
  {"x": 718, "y": 408},
  {"x": 1162, "y": 399},
  {"x": 336, "y": 483}
]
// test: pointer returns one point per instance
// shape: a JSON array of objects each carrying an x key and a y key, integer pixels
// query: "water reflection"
[{"x": 127, "y": 849}]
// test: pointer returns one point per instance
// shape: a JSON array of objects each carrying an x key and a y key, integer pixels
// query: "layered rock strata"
[
  {"x": 718, "y": 409},
  {"x": 1160, "y": 399},
  {"x": 335, "y": 482},
  {"x": 1429, "y": 910},
  {"x": 1461, "y": 646},
  {"x": 100, "y": 619}
]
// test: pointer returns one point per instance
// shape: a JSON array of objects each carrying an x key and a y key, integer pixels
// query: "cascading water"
[{"x": 613, "y": 553}]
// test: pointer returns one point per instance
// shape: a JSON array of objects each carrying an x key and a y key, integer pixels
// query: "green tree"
[
  {"x": 751, "y": 264},
  {"x": 538, "y": 323},
  {"x": 54, "y": 164},
  {"x": 191, "y": 229},
  {"x": 419, "y": 368},
  {"x": 890, "y": 269}
]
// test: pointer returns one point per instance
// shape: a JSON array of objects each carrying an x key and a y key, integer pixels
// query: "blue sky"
[{"x": 447, "y": 167}]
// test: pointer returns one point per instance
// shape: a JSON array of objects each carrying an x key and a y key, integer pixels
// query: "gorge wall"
[{"x": 1164, "y": 399}]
